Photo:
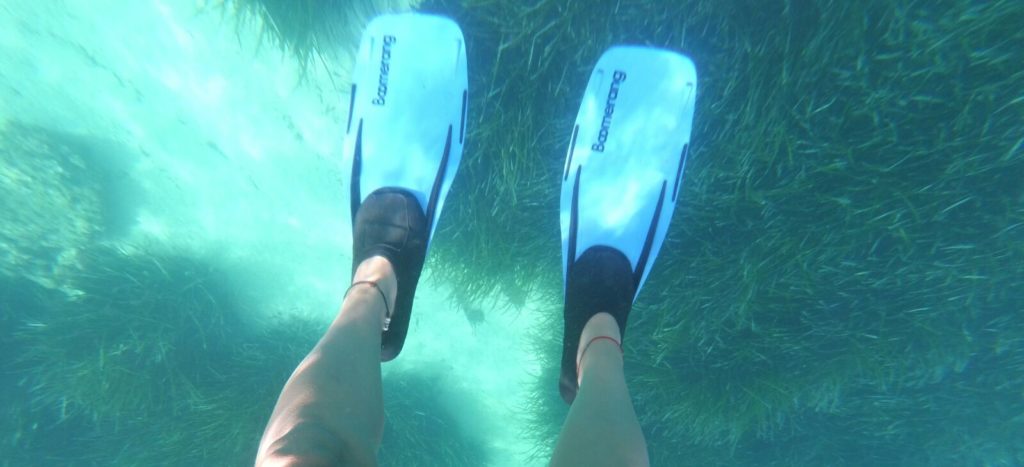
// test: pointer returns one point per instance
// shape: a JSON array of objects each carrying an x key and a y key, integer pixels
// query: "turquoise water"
[{"x": 841, "y": 285}]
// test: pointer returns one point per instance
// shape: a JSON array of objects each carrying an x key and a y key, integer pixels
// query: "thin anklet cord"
[
  {"x": 579, "y": 364},
  {"x": 387, "y": 309}
]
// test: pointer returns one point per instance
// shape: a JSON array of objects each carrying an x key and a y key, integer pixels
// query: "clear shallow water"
[{"x": 842, "y": 284}]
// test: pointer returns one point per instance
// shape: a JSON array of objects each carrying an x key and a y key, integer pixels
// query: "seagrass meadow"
[
  {"x": 843, "y": 279},
  {"x": 150, "y": 363},
  {"x": 842, "y": 283}
]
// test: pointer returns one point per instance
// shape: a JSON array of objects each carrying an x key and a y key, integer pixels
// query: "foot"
[
  {"x": 390, "y": 223},
  {"x": 600, "y": 280},
  {"x": 590, "y": 351}
]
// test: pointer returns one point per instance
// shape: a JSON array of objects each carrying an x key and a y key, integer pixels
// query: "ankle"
[
  {"x": 601, "y": 340},
  {"x": 376, "y": 277},
  {"x": 378, "y": 269}
]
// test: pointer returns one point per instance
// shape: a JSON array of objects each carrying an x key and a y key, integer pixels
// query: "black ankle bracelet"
[{"x": 387, "y": 309}]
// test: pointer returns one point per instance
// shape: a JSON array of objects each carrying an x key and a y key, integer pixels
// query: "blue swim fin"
[
  {"x": 622, "y": 176},
  {"x": 404, "y": 139}
]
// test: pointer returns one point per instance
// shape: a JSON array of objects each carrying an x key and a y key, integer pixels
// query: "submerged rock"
[{"x": 49, "y": 209}]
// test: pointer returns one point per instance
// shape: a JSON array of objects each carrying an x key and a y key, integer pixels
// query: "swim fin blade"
[
  {"x": 623, "y": 174},
  {"x": 407, "y": 109},
  {"x": 624, "y": 168}
]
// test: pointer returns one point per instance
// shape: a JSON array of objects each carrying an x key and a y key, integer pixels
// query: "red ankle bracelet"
[{"x": 584, "y": 353}]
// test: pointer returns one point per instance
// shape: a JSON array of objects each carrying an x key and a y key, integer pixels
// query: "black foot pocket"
[
  {"x": 600, "y": 280},
  {"x": 391, "y": 223}
]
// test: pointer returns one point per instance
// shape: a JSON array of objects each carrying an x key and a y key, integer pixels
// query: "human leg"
[
  {"x": 330, "y": 411},
  {"x": 601, "y": 428}
]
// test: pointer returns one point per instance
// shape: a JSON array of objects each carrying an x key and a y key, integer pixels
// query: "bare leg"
[
  {"x": 330, "y": 411},
  {"x": 602, "y": 428}
]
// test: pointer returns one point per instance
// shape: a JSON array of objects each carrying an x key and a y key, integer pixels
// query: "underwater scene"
[{"x": 842, "y": 282}]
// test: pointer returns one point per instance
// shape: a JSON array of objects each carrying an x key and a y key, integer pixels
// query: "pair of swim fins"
[{"x": 622, "y": 175}]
